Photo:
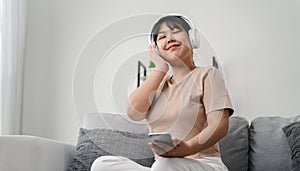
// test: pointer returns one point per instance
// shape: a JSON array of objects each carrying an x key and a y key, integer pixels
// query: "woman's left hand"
[{"x": 180, "y": 149}]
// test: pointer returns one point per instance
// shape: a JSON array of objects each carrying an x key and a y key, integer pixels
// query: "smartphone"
[{"x": 162, "y": 137}]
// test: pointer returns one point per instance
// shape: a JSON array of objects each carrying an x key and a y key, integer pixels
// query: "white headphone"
[{"x": 194, "y": 34}]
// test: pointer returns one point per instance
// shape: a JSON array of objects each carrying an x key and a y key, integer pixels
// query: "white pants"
[{"x": 112, "y": 163}]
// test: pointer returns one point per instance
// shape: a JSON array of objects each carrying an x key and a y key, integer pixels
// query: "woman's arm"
[
  {"x": 140, "y": 100},
  {"x": 218, "y": 122},
  {"x": 217, "y": 127}
]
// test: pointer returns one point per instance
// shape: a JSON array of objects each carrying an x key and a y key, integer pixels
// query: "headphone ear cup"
[{"x": 194, "y": 36}]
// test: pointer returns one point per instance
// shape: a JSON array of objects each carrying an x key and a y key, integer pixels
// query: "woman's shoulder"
[
  {"x": 201, "y": 73},
  {"x": 205, "y": 70}
]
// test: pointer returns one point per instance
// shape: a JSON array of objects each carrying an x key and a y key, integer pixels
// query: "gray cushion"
[
  {"x": 93, "y": 143},
  {"x": 234, "y": 146},
  {"x": 292, "y": 133},
  {"x": 269, "y": 150}
]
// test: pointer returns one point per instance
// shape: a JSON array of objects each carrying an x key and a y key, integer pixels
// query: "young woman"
[{"x": 192, "y": 105}]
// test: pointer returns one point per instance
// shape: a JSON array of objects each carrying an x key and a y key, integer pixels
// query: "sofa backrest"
[
  {"x": 261, "y": 146},
  {"x": 269, "y": 149},
  {"x": 113, "y": 121},
  {"x": 235, "y": 146}
]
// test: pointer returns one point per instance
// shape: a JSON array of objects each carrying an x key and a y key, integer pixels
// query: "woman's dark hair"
[{"x": 172, "y": 21}]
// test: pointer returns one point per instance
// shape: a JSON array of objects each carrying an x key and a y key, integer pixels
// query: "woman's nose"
[{"x": 170, "y": 39}]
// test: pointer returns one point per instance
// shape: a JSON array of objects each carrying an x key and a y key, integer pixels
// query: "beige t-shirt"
[{"x": 181, "y": 108}]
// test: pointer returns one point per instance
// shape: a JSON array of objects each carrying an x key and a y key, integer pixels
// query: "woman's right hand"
[{"x": 160, "y": 62}]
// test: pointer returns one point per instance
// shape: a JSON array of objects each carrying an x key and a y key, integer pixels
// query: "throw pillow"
[
  {"x": 234, "y": 147},
  {"x": 292, "y": 133},
  {"x": 93, "y": 143}
]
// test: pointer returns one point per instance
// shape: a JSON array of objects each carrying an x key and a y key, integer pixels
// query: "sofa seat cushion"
[
  {"x": 234, "y": 146},
  {"x": 269, "y": 149}
]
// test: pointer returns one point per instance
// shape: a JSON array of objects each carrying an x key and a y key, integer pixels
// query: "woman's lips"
[{"x": 172, "y": 47}]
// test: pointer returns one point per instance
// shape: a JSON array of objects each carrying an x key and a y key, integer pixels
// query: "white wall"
[{"x": 257, "y": 43}]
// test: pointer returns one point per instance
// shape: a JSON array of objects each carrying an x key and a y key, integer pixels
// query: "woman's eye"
[
  {"x": 161, "y": 37},
  {"x": 176, "y": 31}
]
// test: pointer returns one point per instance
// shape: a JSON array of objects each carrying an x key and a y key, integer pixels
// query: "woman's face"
[{"x": 174, "y": 41}]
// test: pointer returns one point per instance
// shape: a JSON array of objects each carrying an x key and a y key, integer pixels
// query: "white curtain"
[{"x": 12, "y": 48}]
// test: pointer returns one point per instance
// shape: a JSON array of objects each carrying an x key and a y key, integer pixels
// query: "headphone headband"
[{"x": 184, "y": 18}]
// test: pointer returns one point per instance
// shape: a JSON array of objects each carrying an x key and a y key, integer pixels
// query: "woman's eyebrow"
[{"x": 161, "y": 32}]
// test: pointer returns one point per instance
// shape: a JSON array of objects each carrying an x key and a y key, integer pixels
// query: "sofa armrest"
[{"x": 29, "y": 153}]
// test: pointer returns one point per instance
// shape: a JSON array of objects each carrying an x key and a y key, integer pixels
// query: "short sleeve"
[{"x": 215, "y": 94}]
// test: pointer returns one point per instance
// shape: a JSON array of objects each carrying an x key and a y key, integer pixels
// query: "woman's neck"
[{"x": 182, "y": 70}]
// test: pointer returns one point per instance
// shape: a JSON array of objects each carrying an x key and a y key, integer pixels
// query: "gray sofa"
[{"x": 259, "y": 145}]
